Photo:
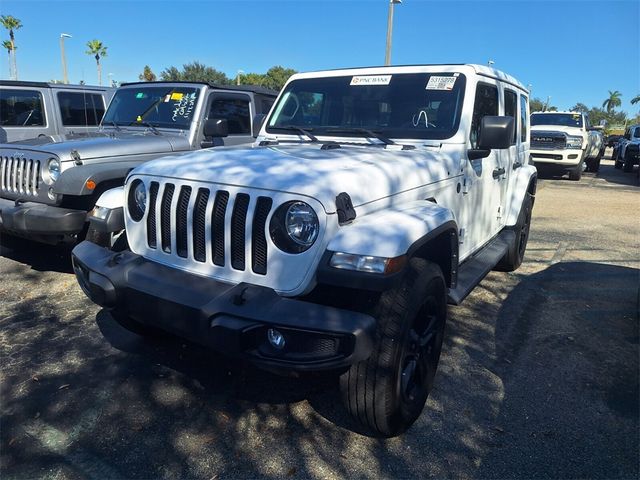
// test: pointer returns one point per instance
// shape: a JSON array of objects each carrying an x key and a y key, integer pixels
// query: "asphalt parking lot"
[{"x": 538, "y": 379}]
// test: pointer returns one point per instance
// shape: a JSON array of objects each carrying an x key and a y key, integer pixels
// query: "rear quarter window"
[
  {"x": 80, "y": 108},
  {"x": 21, "y": 108}
]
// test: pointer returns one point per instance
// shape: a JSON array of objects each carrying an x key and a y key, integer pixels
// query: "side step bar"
[{"x": 473, "y": 270}]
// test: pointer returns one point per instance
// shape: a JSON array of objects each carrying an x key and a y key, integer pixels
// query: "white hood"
[{"x": 366, "y": 173}]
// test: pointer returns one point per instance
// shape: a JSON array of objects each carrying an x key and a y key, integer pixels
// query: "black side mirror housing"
[
  {"x": 496, "y": 132},
  {"x": 216, "y": 128},
  {"x": 258, "y": 120}
]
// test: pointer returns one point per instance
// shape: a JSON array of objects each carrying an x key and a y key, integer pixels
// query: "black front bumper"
[
  {"x": 32, "y": 219},
  {"x": 232, "y": 319}
]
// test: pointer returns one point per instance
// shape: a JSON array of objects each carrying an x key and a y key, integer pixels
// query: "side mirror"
[
  {"x": 258, "y": 121},
  {"x": 216, "y": 128},
  {"x": 627, "y": 136},
  {"x": 495, "y": 133}
]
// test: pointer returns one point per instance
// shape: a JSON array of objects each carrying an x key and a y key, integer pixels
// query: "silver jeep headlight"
[
  {"x": 52, "y": 172},
  {"x": 137, "y": 201},
  {"x": 294, "y": 227},
  {"x": 574, "y": 142}
]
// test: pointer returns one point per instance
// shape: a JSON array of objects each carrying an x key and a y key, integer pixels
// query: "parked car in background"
[
  {"x": 48, "y": 187},
  {"x": 372, "y": 197},
  {"x": 564, "y": 141},
  {"x": 627, "y": 151},
  {"x": 612, "y": 140},
  {"x": 38, "y": 109}
]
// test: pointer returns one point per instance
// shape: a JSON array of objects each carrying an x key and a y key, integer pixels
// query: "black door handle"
[
  {"x": 498, "y": 171},
  {"x": 516, "y": 164}
]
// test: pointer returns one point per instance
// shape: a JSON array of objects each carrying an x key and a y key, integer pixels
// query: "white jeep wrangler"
[{"x": 372, "y": 198}]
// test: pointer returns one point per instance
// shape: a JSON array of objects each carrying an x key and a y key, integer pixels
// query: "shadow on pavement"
[
  {"x": 39, "y": 256},
  {"x": 542, "y": 384}
]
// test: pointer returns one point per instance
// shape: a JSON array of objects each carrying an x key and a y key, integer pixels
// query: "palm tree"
[
  {"x": 97, "y": 50},
  {"x": 635, "y": 100},
  {"x": 7, "y": 44},
  {"x": 12, "y": 24},
  {"x": 613, "y": 101}
]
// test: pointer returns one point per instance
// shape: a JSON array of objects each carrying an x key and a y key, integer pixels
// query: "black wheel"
[
  {"x": 514, "y": 256},
  {"x": 116, "y": 241},
  {"x": 627, "y": 166},
  {"x": 596, "y": 166},
  {"x": 575, "y": 174},
  {"x": 387, "y": 392},
  {"x": 590, "y": 165}
]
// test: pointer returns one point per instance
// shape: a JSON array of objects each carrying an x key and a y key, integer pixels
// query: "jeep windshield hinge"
[{"x": 344, "y": 207}]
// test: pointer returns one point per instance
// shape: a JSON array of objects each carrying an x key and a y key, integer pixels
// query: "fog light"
[{"x": 276, "y": 339}]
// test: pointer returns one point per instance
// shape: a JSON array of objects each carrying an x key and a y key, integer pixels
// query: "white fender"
[
  {"x": 390, "y": 233},
  {"x": 517, "y": 192},
  {"x": 112, "y": 199}
]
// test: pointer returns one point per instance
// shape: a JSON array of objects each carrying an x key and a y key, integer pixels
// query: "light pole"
[
  {"x": 65, "y": 78},
  {"x": 387, "y": 56},
  {"x": 238, "y": 76}
]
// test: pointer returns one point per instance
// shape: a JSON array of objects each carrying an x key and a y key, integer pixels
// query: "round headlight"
[
  {"x": 53, "y": 170},
  {"x": 294, "y": 227},
  {"x": 137, "y": 200}
]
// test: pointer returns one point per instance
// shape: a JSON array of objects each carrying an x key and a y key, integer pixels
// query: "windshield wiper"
[
  {"x": 148, "y": 125},
  {"x": 301, "y": 130},
  {"x": 366, "y": 132}
]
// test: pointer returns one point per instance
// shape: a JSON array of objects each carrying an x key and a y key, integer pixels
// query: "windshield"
[
  {"x": 408, "y": 105},
  {"x": 562, "y": 119},
  {"x": 163, "y": 107}
]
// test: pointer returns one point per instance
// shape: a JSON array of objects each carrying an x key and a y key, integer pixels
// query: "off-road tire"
[
  {"x": 627, "y": 166},
  {"x": 515, "y": 254},
  {"x": 575, "y": 174},
  {"x": 387, "y": 392}
]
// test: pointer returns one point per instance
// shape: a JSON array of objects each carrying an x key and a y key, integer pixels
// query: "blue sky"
[{"x": 573, "y": 51}]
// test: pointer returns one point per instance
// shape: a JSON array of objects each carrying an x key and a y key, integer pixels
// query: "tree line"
[{"x": 274, "y": 78}]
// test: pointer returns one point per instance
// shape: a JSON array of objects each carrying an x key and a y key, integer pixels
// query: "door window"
[
  {"x": 235, "y": 111},
  {"x": 21, "y": 108},
  {"x": 511, "y": 110},
  {"x": 486, "y": 103},
  {"x": 523, "y": 119},
  {"x": 80, "y": 109}
]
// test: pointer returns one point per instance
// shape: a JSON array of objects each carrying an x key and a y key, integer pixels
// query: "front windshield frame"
[
  {"x": 161, "y": 106},
  {"x": 557, "y": 119},
  {"x": 399, "y": 105}
]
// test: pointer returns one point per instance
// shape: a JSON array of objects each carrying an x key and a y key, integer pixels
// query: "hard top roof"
[
  {"x": 24, "y": 83},
  {"x": 241, "y": 88},
  {"x": 478, "y": 69}
]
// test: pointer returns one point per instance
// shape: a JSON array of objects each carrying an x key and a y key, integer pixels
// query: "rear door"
[
  {"x": 25, "y": 112},
  {"x": 79, "y": 112},
  {"x": 510, "y": 158}
]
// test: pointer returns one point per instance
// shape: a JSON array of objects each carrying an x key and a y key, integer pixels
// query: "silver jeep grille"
[
  {"x": 19, "y": 175},
  {"x": 198, "y": 214}
]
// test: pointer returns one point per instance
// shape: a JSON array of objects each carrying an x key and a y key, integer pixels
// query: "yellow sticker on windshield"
[
  {"x": 176, "y": 96},
  {"x": 139, "y": 119}
]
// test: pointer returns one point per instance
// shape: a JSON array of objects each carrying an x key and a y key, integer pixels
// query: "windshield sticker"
[
  {"x": 371, "y": 80},
  {"x": 184, "y": 106},
  {"x": 140, "y": 95},
  {"x": 441, "y": 83},
  {"x": 176, "y": 96},
  {"x": 139, "y": 119},
  {"x": 167, "y": 98}
]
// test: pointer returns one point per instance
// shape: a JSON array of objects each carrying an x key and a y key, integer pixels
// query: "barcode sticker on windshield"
[
  {"x": 371, "y": 80},
  {"x": 441, "y": 83}
]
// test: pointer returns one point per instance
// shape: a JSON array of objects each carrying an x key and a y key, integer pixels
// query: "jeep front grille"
[
  {"x": 199, "y": 214},
  {"x": 548, "y": 141},
  {"x": 19, "y": 175}
]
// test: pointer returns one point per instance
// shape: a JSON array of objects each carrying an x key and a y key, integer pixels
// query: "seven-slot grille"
[
  {"x": 548, "y": 141},
  {"x": 199, "y": 215},
  {"x": 19, "y": 175}
]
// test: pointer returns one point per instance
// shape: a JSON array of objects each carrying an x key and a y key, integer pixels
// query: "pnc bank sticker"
[
  {"x": 441, "y": 83},
  {"x": 140, "y": 95},
  {"x": 371, "y": 80},
  {"x": 176, "y": 96}
]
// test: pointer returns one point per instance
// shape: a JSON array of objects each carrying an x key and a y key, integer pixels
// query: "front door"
[{"x": 236, "y": 109}]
